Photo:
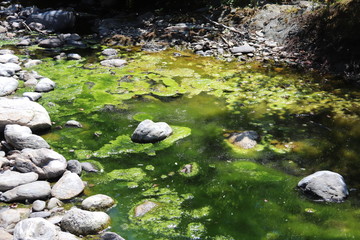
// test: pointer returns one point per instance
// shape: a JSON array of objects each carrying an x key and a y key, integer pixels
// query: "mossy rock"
[{"x": 189, "y": 170}]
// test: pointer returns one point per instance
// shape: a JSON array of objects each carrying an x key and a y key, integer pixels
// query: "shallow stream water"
[{"x": 306, "y": 122}]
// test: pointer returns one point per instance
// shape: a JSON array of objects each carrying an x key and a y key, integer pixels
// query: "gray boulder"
[
  {"x": 9, "y": 69},
  {"x": 81, "y": 222},
  {"x": 324, "y": 186},
  {"x": 242, "y": 49},
  {"x": 45, "y": 85},
  {"x": 245, "y": 140},
  {"x": 8, "y": 58},
  {"x": 97, "y": 202},
  {"x": 55, "y": 20},
  {"x": 45, "y": 162},
  {"x": 109, "y": 52},
  {"x": 30, "y": 191},
  {"x": 35, "y": 229},
  {"x": 74, "y": 166},
  {"x": 88, "y": 167},
  {"x": 113, "y": 62},
  {"x": 73, "y": 123},
  {"x": 149, "y": 132},
  {"x": 73, "y": 56},
  {"x": 111, "y": 236},
  {"x": 10, "y": 179},
  {"x": 33, "y": 96},
  {"x": 10, "y": 217},
  {"x": 51, "y": 43},
  {"x": 32, "y": 62},
  {"x": 21, "y": 137},
  {"x": 24, "y": 112},
  {"x": 69, "y": 186},
  {"x": 8, "y": 85}
]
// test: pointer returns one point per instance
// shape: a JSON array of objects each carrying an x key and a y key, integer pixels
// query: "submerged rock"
[
  {"x": 21, "y": 137},
  {"x": 69, "y": 185},
  {"x": 73, "y": 123},
  {"x": 10, "y": 179},
  {"x": 149, "y": 132},
  {"x": 35, "y": 229},
  {"x": 8, "y": 85},
  {"x": 113, "y": 63},
  {"x": 24, "y": 112},
  {"x": 245, "y": 140},
  {"x": 144, "y": 208},
  {"x": 81, "y": 222},
  {"x": 30, "y": 191},
  {"x": 97, "y": 202},
  {"x": 325, "y": 186}
]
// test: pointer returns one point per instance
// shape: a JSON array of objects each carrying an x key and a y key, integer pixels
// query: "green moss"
[
  {"x": 196, "y": 231},
  {"x": 130, "y": 174}
]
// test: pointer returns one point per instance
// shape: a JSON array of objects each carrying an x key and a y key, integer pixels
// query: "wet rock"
[
  {"x": 74, "y": 166},
  {"x": 21, "y": 137},
  {"x": 69, "y": 186},
  {"x": 73, "y": 123},
  {"x": 324, "y": 186},
  {"x": 88, "y": 167},
  {"x": 53, "y": 203},
  {"x": 149, "y": 132},
  {"x": 10, "y": 179},
  {"x": 109, "y": 52},
  {"x": 111, "y": 236},
  {"x": 32, "y": 63},
  {"x": 97, "y": 202},
  {"x": 45, "y": 85},
  {"x": 42, "y": 214},
  {"x": 8, "y": 85},
  {"x": 30, "y": 191},
  {"x": 35, "y": 229},
  {"x": 73, "y": 56},
  {"x": 45, "y": 162},
  {"x": 23, "y": 112},
  {"x": 144, "y": 208},
  {"x": 246, "y": 48},
  {"x": 38, "y": 205},
  {"x": 51, "y": 43},
  {"x": 113, "y": 63},
  {"x": 33, "y": 96},
  {"x": 10, "y": 217},
  {"x": 245, "y": 140},
  {"x": 56, "y": 20},
  {"x": 8, "y": 58},
  {"x": 4, "y": 235},
  {"x": 81, "y": 222}
]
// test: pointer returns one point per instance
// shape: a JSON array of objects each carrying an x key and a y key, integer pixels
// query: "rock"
[
  {"x": 23, "y": 112},
  {"x": 30, "y": 191},
  {"x": 3, "y": 29},
  {"x": 9, "y": 69},
  {"x": 21, "y": 137},
  {"x": 35, "y": 229},
  {"x": 55, "y": 219},
  {"x": 111, "y": 236},
  {"x": 69, "y": 185},
  {"x": 51, "y": 43},
  {"x": 109, "y": 52},
  {"x": 53, "y": 203},
  {"x": 42, "y": 214},
  {"x": 245, "y": 140},
  {"x": 73, "y": 123},
  {"x": 38, "y": 205},
  {"x": 33, "y": 96},
  {"x": 66, "y": 236},
  {"x": 36, "y": 26},
  {"x": 32, "y": 63},
  {"x": 73, "y": 56},
  {"x": 4, "y": 162},
  {"x": 8, "y": 58},
  {"x": 45, "y": 162},
  {"x": 144, "y": 208},
  {"x": 246, "y": 48},
  {"x": 81, "y": 222},
  {"x": 8, "y": 85},
  {"x": 113, "y": 62},
  {"x": 74, "y": 166},
  {"x": 149, "y": 132},
  {"x": 31, "y": 83},
  {"x": 10, "y": 217},
  {"x": 97, "y": 202},
  {"x": 10, "y": 179},
  {"x": 88, "y": 167},
  {"x": 68, "y": 37},
  {"x": 4, "y": 235},
  {"x": 6, "y": 51},
  {"x": 325, "y": 186},
  {"x": 56, "y": 20},
  {"x": 45, "y": 85},
  {"x": 24, "y": 43}
]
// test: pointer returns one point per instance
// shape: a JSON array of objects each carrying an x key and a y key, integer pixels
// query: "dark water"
[{"x": 306, "y": 122}]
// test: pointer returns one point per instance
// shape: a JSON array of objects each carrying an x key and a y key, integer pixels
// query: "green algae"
[{"x": 130, "y": 174}]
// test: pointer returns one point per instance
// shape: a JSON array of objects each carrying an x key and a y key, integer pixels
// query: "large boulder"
[
  {"x": 8, "y": 85},
  {"x": 56, "y": 20},
  {"x": 149, "y": 132},
  {"x": 324, "y": 186},
  {"x": 45, "y": 162},
  {"x": 21, "y": 137},
  {"x": 24, "y": 112},
  {"x": 82, "y": 222},
  {"x": 97, "y": 202},
  {"x": 35, "y": 229},
  {"x": 30, "y": 191},
  {"x": 8, "y": 58},
  {"x": 10, "y": 179},
  {"x": 69, "y": 186},
  {"x": 245, "y": 140},
  {"x": 9, "y": 69},
  {"x": 10, "y": 217}
]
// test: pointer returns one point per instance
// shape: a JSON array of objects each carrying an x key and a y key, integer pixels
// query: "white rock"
[
  {"x": 35, "y": 229},
  {"x": 69, "y": 186},
  {"x": 97, "y": 202},
  {"x": 8, "y": 85}
]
